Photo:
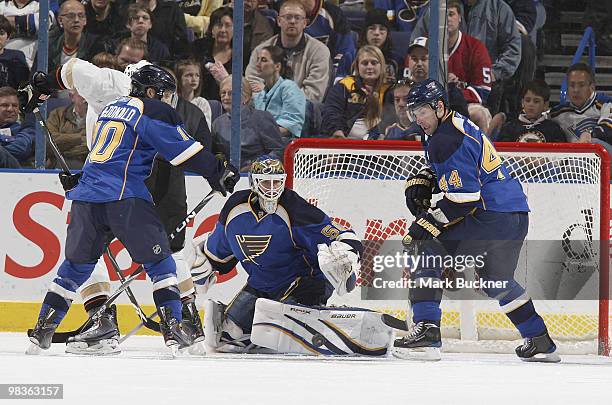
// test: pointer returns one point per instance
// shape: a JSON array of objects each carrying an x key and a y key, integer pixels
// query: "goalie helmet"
[
  {"x": 428, "y": 92},
  {"x": 267, "y": 179},
  {"x": 152, "y": 77}
]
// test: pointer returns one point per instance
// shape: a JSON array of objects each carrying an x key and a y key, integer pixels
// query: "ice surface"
[{"x": 146, "y": 373}]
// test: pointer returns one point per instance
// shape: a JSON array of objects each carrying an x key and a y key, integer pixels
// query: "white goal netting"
[{"x": 361, "y": 184}]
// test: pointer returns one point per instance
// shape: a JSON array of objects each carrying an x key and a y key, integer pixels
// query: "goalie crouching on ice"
[{"x": 295, "y": 257}]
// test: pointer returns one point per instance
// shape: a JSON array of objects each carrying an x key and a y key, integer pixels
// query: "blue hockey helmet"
[
  {"x": 427, "y": 92},
  {"x": 154, "y": 77}
]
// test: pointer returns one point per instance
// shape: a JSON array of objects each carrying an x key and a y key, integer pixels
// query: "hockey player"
[
  {"x": 99, "y": 87},
  {"x": 293, "y": 254},
  {"x": 110, "y": 199},
  {"x": 479, "y": 200}
]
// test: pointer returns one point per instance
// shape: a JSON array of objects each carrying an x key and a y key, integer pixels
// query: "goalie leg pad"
[{"x": 287, "y": 328}]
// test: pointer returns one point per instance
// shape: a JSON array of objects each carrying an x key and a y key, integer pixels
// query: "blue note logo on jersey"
[{"x": 253, "y": 246}]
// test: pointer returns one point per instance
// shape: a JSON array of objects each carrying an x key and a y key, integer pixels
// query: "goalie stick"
[{"x": 61, "y": 337}]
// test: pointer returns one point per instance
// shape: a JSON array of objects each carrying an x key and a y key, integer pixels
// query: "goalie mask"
[{"x": 267, "y": 180}]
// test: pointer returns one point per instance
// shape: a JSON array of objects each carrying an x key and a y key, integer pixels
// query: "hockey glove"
[
  {"x": 339, "y": 263},
  {"x": 35, "y": 93},
  {"x": 228, "y": 179},
  {"x": 69, "y": 181},
  {"x": 419, "y": 190},
  {"x": 202, "y": 272},
  {"x": 425, "y": 227}
]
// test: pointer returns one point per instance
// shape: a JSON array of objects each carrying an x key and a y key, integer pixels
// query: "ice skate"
[
  {"x": 538, "y": 349},
  {"x": 172, "y": 331},
  {"x": 101, "y": 338},
  {"x": 423, "y": 342},
  {"x": 192, "y": 326},
  {"x": 43, "y": 332}
]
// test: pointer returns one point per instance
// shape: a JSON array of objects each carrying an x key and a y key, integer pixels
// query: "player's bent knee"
[
  {"x": 298, "y": 329},
  {"x": 162, "y": 269}
]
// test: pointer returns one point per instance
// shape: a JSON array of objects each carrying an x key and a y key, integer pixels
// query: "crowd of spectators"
[{"x": 310, "y": 68}]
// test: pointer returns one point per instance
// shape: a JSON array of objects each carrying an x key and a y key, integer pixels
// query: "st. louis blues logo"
[{"x": 253, "y": 246}]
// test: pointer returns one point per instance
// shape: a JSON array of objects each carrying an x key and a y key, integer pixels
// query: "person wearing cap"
[
  {"x": 375, "y": 32},
  {"x": 417, "y": 70}
]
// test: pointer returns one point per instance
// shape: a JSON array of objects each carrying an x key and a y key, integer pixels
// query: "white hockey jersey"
[
  {"x": 98, "y": 86},
  {"x": 596, "y": 114}
]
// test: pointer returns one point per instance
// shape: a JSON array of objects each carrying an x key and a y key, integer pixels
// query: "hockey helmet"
[
  {"x": 427, "y": 92},
  {"x": 154, "y": 77},
  {"x": 267, "y": 179}
]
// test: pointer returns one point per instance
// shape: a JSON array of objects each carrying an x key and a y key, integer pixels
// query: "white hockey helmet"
[{"x": 267, "y": 179}]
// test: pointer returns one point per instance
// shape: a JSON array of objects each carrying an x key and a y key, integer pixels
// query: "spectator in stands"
[
  {"x": 169, "y": 26},
  {"x": 328, "y": 24},
  {"x": 105, "y": 60},
  {"x": 493, "y": 23},
  {"x": 129, "y": 51},
  {"x": 587, "y": 116},
  {"x": 15, "y": 138},
  {"x": 104, "y": 17},
  {"x": 189, "y": 86},
  {"x": 401, "y": 13},
  {"x": 280, "y": 97},
  {"x": 417, "y": 61},
  {"x": 354, "y": 106},
  {"x": 197, "y": 14},
  {"x": 257, "y": 27},
  {"x": 403, "y": 129},
  {"x": 214, "y": 51},
  {"x": 23, "y": 17},
  {"x": 67, "y": 124},
  {"x": 193, "y": 118},
  {"x": 307, "y": 58},
  {"x": 532, "y": 124},
  {"x": 376, "y": 32},
  {"x": 13, "y": 66},
  {"x": 259, "y": 134},
  {"x": 469, "y": 66},
  {"x": 139, "y": 24},
  {"x": 70, "y": 41}
]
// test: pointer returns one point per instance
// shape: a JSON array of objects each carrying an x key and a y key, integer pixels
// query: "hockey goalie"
[{"x": 295, "y": 257}]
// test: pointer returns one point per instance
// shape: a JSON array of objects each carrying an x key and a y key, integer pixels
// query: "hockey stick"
[
  {"x": 61, "y": 337},
  {"x": 137, "y": 328},
  {"x": 54, "y": 148},
  {"x": 145, "y": 321}
]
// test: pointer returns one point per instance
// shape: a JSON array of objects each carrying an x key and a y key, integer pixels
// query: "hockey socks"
[
  {"x": 525, "y": 318},
  {"x": 168, "y": 296},
  {"x": 426, "y": 310}
]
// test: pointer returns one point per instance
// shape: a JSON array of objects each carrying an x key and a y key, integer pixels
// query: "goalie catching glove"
[
  {"x": 339, "y": 262},
  {"x": 419, "y": 189},
  {"x": 202, "y": 272}
]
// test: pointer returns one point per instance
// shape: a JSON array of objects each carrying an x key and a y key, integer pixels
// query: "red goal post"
[{"x": 359, "y": 181}]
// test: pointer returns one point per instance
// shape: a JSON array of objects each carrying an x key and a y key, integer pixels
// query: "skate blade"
[
  {"x": 33, "y": 349},
  {"x": 104, "y": 347},
  {"x": 543, "y": 358},
  {"x": 418, "y": 354}
]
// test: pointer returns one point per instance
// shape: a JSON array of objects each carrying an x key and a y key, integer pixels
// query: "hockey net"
[{"x": 361, "y": 184}]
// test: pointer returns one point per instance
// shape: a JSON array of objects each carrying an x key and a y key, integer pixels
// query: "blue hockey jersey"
[
  {"x": 128, "y": 134},
  {"x": 469, "y": 170},
  {"x": 274, "y": 249}
]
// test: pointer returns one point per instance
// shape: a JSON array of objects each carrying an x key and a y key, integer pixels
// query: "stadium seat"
[{"x": 216, "y": 109}]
